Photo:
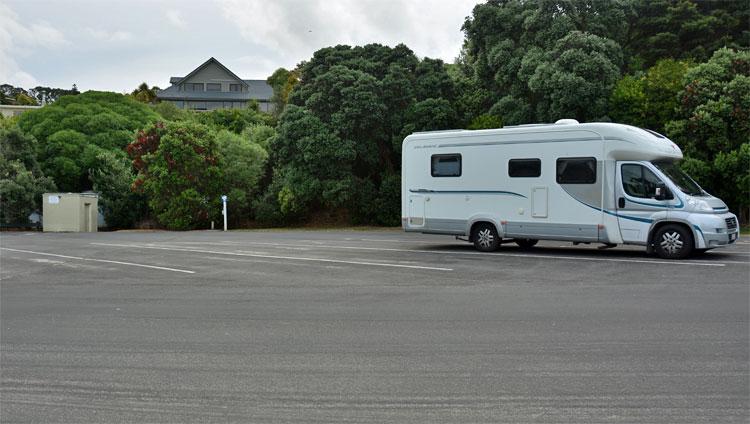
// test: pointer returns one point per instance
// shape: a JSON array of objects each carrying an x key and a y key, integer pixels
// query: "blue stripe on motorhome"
[
  {"x": 608, "y": 212},
  {"x": 656, "y": 205}
]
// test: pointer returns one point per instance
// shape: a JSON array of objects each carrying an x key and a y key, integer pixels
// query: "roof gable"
[{"x": 206, "y": 64}]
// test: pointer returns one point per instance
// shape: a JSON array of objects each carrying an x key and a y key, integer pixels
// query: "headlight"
[{"x": 699, "y": 205}]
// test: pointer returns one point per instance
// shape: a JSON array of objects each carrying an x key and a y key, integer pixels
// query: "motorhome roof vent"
[{"x": 566, "y": 122}]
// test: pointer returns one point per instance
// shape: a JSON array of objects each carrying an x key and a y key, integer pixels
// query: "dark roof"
[
  {"x": 210, "y": 60},
  {"x": 257, "y": 89}
]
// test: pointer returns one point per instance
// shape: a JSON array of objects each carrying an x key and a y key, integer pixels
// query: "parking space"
[{"x": 366, "y": 326}]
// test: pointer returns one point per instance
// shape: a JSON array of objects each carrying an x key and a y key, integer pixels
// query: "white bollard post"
[{"x": 224, "y": 210}]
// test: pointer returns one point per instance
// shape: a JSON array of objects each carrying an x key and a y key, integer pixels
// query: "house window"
[
  {"x": 235, "y": 87},
  {"x": 213, "y": 86},
  {"x": 576, "y": 171},
  {"x": 194, "y": 87},
  {"x": 524, "y": 168},
  {"x": 446, "y": 165},
  {"x": 198, "y": 105}
]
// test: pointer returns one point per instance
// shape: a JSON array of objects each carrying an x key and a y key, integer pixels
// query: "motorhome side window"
[
  {"x": 446, "y": 165},
  {"x": 576, "y": 170},
  {"x": 524, "y": 168},
  {"x": 639, "y": 181}
]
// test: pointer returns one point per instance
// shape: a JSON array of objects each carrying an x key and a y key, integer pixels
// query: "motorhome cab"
[{"x": 584, "y": 183}]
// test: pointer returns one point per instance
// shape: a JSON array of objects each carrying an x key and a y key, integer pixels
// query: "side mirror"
[{"x": 661, "y": 192}]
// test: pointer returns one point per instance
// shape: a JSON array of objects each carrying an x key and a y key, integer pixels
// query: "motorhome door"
[{"x": 636, "y": 200}]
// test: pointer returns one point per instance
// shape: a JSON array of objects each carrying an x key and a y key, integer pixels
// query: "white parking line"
[
  {"x": 100, "y": 260},
  {"x": 519, "y": 255},
  {"x": 293, "y": 258}
]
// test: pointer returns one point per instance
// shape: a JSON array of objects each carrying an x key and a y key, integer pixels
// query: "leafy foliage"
[
  {"x": 177, "y": 170},
  {"x": 713, "y": 125},
  {"x": 282, "y": 81},
  {"x": 112, "y": 179},
  {"x": 75, "y": 129},
  {"x": 35, "y": 96},
  {"x": 544, "y": 60},
  {"x": 684, "y": 29},
  {"x": 337, "y": 152},
  {"x": 651, "y": 100},
  {"x": 242, "y": 163},
  {"x": 21, "y": 179},
  {"x": 144, "y": 93}
]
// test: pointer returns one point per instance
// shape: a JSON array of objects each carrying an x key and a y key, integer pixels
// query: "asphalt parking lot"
[{"x": 366, "y": 326}]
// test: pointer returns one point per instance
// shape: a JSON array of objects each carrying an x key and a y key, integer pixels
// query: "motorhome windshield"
[{"x": 680, "y": 178}]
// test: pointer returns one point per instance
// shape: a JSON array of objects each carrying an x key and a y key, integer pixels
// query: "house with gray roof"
[{"x": 212, "y": 86}]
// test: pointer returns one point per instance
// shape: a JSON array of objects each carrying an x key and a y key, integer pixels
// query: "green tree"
[
  {"x": 145, "y": 94},
  {"x": 242, "y": 163},
  {"x": 282, "y": 81},
  {"x": 651, "y": 100},
  {"x": 178, "y": 170},
  {"x": 75, "y": 131},
  {"x": 337, "y": 152},
  {"x": 113, "y": 178},
  {"x": 713, "y": 125},
  {"x": 24, "y": 99},
  {"x": 235, "y": 120},
  {"x": 47, "y": 95},
  {"x": 169, "y": 112},
  {"x": 21, "y": 179},
  {"x": 683, "y": 29},
  {"x": 535, "y": 61}
]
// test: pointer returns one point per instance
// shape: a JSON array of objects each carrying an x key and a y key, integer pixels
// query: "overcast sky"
[{"x": 116, "y": 44}]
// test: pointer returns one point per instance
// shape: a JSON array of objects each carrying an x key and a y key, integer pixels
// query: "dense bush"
[
  {"x": 185, "y": 167},
  {"x": 81, "y": 147},
  {"x": 337, "y": 152},
  {"x": 713, "y": 126},
  {"x": 21, "y": 179}
]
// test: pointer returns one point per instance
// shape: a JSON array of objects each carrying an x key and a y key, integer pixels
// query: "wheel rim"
[
  {"x": 485, "y": 237},
  {"x": 671, "y": 242}
]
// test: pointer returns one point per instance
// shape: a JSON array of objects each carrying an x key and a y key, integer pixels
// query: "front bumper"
[{"x": 715, "y": 231}]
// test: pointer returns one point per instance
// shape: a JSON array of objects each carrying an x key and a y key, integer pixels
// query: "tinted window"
[
  {"x": 446, "y": 165},
  {"x": 235, "y": 87},
  {"x": 213, "y": 87},
  {"x": 524, "y": 168},
  {"x": 639, "y": 181},
  {"x": 576, "y": 171}
]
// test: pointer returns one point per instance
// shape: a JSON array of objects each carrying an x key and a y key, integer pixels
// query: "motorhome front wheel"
[{"x": 673, "y": 242}]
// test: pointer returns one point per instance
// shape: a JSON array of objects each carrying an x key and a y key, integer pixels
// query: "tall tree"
[
  {"x": 519, "y": 50},
  {"x": 339, "y": 139},
  {"x": 22, "y": 181},
  {"x": 76, "y": 132},
  {"x": 684, "y": 29},
  {"x": 177, "y": 170},
  {"x": 282, "y": 81},
  {"x": 713, "y": 126}
]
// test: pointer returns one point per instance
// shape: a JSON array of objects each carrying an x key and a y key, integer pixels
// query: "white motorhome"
[{"x": 584, "y": 183}]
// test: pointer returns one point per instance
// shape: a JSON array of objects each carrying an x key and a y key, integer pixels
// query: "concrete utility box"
[{"x": 74, "y": 212}]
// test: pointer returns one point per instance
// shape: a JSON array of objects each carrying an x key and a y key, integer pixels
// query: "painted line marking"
[
  {"x": 100, "y": 260},
  {"x": 292, "y": 258},
  {"x": 519, "y": 255}
]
